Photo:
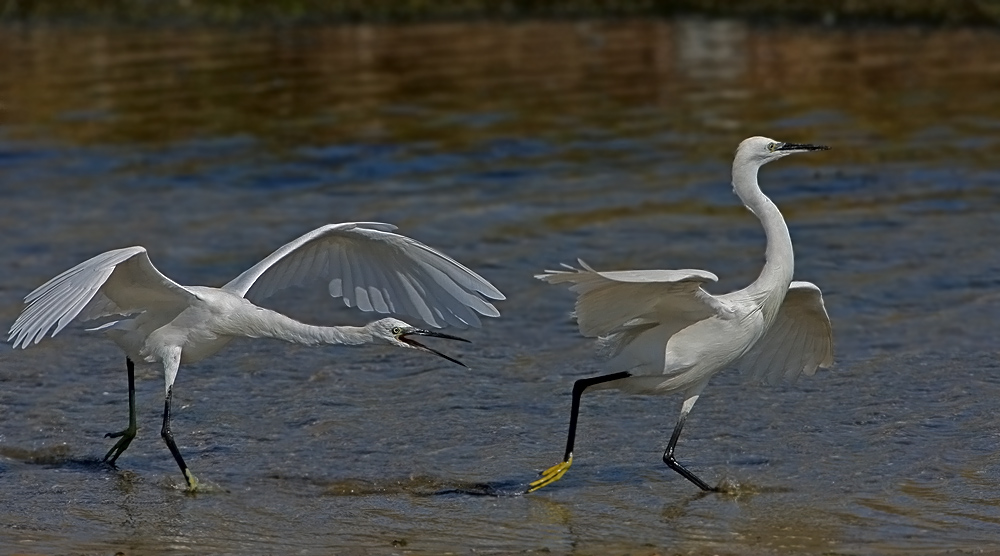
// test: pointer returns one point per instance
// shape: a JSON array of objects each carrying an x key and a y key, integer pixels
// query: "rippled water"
[{"x": 512, "y": 147}]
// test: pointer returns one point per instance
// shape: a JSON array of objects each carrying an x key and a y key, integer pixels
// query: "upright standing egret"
[
  {"x": 666, "y": 334},
  {"x": 161, "y": 321}
]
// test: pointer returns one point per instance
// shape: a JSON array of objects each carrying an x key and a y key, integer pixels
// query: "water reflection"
[
  {"x": 461, "y": 83},
  {"x": 711, "y": 50}
]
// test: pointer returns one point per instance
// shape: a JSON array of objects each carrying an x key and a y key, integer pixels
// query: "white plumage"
[
  {"x": 639, "y": 316},
  {"x": 799, "y": 341},
  {"x": 161, "y": 321},
  {"x": 664, "y": 333}
]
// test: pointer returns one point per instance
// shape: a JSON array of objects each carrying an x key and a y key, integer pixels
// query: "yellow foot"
[
  {"x": 551, "y": 474},
  {"x": 192, "y": 481}
]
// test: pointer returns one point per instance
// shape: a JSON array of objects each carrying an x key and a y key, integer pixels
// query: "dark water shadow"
[
  {"x": 421, "y": 485},
  {"x": 432, "y": 486},
  {"x": 60, "y": 457},
  {"x": 424, "y": 485},
  {"x": 497, "y": 489},
  {"x": 52, "y": 456}
]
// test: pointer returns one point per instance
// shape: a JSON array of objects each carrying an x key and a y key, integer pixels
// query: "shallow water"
[{"x": 512, "y": 147}]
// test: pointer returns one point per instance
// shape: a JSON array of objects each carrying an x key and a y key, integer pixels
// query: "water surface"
[{"x": 512, "y": 147}]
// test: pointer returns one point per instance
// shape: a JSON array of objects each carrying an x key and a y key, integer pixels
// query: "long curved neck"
[
  {"x": 264, "y": 323},
  {"x": 779, "y": 259}
]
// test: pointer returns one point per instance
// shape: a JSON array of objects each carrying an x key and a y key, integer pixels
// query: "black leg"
[
  {"x": 555, "y": 472},
  {"x": 129, "y": 433},
  {"x": 578, "y": 388},
  {"x": 668, "y": 458},
  {"x": 169, "y": 439}
]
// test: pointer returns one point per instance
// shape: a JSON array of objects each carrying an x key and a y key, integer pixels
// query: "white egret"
[
  {"x": 666, "y": 334},
  {"x": 162, "y": 322}
]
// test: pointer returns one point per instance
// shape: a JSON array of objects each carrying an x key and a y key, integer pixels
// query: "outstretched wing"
[
  {"x": 373, "y": 269},
  {"x": 611, "y": 302},
  {"x": 799, "y": 340},
  {"x": 119, "y": 282}
]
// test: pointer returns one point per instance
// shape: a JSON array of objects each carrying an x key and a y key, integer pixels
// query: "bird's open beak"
[
  {"x": 802, "y": 147},
  {"x": 417, "y": 332}
]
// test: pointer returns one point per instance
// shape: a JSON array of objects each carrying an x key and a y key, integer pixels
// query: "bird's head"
[
  {"x": 398, "y": 333},
  {"x": 761, "y": 150}
]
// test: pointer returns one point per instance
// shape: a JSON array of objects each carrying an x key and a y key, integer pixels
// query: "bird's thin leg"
[
  {"x": 556, "y": 472},
  {"x": 169, "y": 439},
  {"x": 129, "y": 433},
  {"x": 668, "y": 454}
]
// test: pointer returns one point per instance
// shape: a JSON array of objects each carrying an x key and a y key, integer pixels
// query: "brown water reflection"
[
  {"x": 513, "y": 147},
  {"x": 400, "y": 83}
]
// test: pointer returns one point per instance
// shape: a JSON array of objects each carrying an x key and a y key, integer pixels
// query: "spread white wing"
[
  {"x": 614, "y": 302},
  {"x": 799, "y": 340},
  {"x": 373, "y": 269},
  {"x": 119, "y": 282}
]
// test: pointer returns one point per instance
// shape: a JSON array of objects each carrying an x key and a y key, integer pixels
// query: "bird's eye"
[
  {"x": 771, "y": 146},
  {"x": 397, "y": 330}
]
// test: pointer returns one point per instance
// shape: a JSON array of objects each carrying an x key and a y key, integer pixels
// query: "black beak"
[
  {"x": 802, "y": 147},
  {"x": 418, "y": 345}
]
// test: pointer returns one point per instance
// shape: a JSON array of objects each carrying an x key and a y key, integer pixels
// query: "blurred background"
[{"x": 513, "y": 136}]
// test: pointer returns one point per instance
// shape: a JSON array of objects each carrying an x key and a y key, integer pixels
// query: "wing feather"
[
  {"x": 292, "y": 273},
  {"x": 608, "y": 301},
  {"x": 335, "y": 286},
  {"x": 371, "y": 268},
  {"x": 347, "y": 277},
  {"x": 415, "y": 296},
  {"x": 362, "y": 277},
  {"x": 379, "y": 299},
  {"x": 786, "y": 357},
  {"x": 378, "y": 295},
  {"x": 122, "y": 281},
  {"x": 799, "y": 341},
  {"x": 401, "y": 300},
  {"x": 99, "y": 306},
  {"x": 466, "y": 311}
]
